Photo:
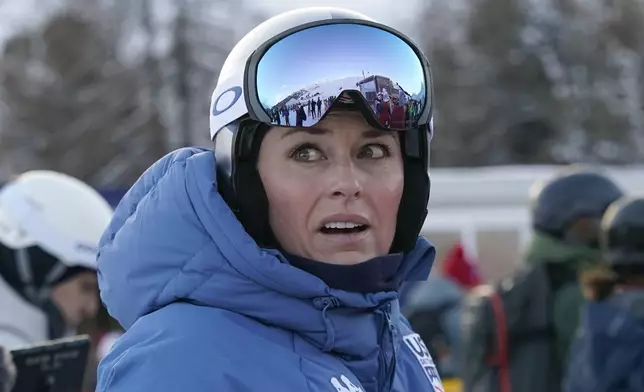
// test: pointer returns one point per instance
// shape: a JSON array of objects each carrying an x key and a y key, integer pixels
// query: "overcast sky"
[
  {"x": 21, "y": 14},
  {"x": 395, "y": 12}
]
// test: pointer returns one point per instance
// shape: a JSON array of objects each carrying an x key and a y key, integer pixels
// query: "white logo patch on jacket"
[
  {"x": 344, "y": 384},
  {"x": 417, "y": 346}
]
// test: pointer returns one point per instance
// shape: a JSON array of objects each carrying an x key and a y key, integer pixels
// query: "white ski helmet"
[
  {"x": 238, "y": 121},
  {"x": 59, "y": 213}
]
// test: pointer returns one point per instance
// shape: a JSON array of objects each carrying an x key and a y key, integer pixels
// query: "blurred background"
[{"x": 100, "y": 89}]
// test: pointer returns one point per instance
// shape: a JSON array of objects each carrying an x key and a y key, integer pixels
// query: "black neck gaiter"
[{"x": 372, "y": 276}]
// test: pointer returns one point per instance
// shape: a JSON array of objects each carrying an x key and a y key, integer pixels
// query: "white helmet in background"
[{"x": 56, "y": 212}]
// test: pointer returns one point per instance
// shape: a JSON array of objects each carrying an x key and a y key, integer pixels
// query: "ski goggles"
[{"x": 295, "y": 78}]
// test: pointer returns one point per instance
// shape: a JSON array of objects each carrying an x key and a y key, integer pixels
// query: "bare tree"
[
  {"x": 204, "y": 34},
  {"x": 100, "y": 92},
  {"x": 73, "y": 108},
  {"x": 536, "y": 81}
]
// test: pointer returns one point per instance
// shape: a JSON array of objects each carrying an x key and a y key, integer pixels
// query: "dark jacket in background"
[{"x": 608, "y": 354}]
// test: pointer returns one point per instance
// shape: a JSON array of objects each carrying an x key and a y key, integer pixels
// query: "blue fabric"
[
  {"x": 608, "y": 354},
  {"x": 206, "y": 310}
]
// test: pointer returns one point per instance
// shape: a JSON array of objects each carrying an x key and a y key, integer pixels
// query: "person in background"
[
  {"x": 300, "y": 115},
  {"x": 531, "y": 316},
  {"x": 397, "y": 115},
  {"x": 433, "y": 307},
  {"x": 50, "y": 225},
  {"x": 608, "y": 353}
]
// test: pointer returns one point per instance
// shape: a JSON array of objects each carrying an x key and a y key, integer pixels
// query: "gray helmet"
[
  {"x": 572, "y": 195},
  {"x": 622, "y": 232}
]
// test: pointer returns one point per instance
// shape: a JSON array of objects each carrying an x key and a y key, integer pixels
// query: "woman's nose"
[{"x": 346, "y": 183}]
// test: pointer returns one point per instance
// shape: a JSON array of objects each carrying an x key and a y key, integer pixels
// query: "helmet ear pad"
[
  {"x": 243, "y": 190},
  {"x": 412, "y": 210}
]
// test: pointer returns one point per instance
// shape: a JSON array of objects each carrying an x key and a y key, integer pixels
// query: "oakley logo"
[{"x": 231, "y": 96}]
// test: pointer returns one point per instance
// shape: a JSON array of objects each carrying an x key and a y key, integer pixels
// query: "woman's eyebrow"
[
  {"x": 374, "y": 133},
  {"x": 309, "y": 130}
]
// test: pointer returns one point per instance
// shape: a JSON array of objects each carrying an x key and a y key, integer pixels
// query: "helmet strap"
[{"x": 37, "y": 294}]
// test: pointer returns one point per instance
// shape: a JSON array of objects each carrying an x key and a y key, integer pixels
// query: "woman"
[
  {"x": 608, "y": 354},
  {"x": 277, "y": 269},
  {"x": 300, "y": 115},
  {"x": 50, "y": 225}
]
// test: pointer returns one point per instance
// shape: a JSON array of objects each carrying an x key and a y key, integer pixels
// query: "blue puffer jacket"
[
  {"x": 608, "y": 355},
  {"x": 206, "y": 310}
]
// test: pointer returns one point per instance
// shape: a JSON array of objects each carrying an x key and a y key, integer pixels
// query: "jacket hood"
[{"x": 173, "y": 238}]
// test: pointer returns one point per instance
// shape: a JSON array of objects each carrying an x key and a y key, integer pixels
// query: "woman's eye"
[
  {"x": 307, "y": 154},
  {"x": 374, "y": 151}
]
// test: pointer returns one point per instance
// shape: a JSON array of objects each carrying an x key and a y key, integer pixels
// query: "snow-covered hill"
[{"x": 323, "y": 89}]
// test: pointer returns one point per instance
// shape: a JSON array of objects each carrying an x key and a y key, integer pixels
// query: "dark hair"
[{"x": 600, "y": 282}]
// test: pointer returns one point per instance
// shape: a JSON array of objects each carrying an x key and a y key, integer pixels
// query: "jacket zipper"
[{"x": 387, "y": 370}]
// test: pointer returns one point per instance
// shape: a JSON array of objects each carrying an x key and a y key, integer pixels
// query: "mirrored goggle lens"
[{"x": 301, "y": 76}]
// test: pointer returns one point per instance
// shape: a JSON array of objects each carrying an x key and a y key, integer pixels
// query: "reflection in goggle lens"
[{"x": 302, "y": 75}]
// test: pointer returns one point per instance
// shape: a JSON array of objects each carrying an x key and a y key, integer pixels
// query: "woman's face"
[
  {"x": 77, "y": 298},
  {"x": 333, "y": 189}
]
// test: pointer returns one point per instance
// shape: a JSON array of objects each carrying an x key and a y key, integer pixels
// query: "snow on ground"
[{"x": 325, "y": 89}]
